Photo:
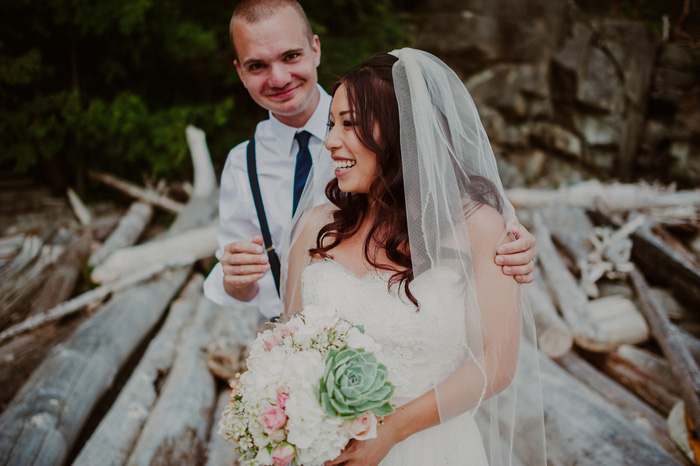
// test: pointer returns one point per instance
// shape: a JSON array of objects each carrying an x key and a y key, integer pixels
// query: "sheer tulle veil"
[{"x": 450, "y": 174}]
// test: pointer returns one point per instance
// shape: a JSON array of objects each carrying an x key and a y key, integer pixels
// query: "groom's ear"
[
  {"x": 240, "y": 73},
  {"x": 316, "y": 47}
]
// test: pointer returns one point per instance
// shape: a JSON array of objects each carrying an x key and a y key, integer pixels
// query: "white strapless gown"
[{"x": 417, "y": 348}]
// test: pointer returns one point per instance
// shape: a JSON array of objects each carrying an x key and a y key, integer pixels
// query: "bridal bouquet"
[{"x": 312, "y": 384}]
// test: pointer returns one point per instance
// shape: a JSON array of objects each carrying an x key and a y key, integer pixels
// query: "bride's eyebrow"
[{"x": 344, "y": 112}]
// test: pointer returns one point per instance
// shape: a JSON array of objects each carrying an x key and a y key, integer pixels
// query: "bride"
[{"x": 405, "y": 249}]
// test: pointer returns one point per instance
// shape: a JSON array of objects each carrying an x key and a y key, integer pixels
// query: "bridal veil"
[{"x": 450, "y": 172}]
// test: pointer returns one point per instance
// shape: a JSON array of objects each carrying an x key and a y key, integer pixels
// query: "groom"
[{"x": 276, "y": 56}]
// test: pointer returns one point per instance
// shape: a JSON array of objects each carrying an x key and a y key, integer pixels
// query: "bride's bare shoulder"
[
  {"x": 321, "y": 214},
  {"x": 485, "y": 224}
]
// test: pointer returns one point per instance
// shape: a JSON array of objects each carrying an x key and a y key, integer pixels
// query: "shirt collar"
[{"x": 317, "y": 125}]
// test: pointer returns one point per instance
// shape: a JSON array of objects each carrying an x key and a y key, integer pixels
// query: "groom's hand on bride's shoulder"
[
  {"x": 243, "y": 264},
  {"x": 517, "y": 258}
]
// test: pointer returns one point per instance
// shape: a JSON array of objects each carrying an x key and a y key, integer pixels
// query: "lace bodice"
[{"x": 420, "y": 348}]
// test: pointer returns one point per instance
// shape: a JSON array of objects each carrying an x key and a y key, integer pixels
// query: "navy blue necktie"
[{"x": 301, "y": 172}]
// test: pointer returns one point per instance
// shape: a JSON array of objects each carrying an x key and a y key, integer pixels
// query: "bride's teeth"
[{"x": 343, "y": 164}]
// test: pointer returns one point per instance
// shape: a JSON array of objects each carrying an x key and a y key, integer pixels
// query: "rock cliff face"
[{"x": 565, "y": 96}]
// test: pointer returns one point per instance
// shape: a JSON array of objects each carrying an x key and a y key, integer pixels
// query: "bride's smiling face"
[{"x": 355, "y": 164}]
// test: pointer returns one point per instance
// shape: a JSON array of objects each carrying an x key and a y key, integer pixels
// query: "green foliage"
[{"x": 111, "y": 85}]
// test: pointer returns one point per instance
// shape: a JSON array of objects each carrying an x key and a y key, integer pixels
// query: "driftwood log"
[
  {"x": 137, "y": 192},
  {"x": 114, "y": 438},
  {"x": 643, "y": 373},
  {"x": 186, "y": 395},
  {"x": 571, "y": 230},
  {"x": 30, "y": 249},
  {"x": 63, "y": 276},
  {"x": 569, "y": 298},
  {"x": 622, "y": 321},
  {"x": 690, "y": 342},
  {"x": 127, "y": 232},
  {"x": 639, "y": 413},
  {"x": 613, "y": 197},
  {"x": 583, "y": 428},
  {"x": 204, "y": 175},
  {"x": 79, "y": 209},
  {"x": 10, "y": 247},
  {"x": 681, "y": 363},
  {"x": 194, "y": 244},
  {"x": 220, "y": 451},
  {"x": 553, "y": 335},
  {"x": 17, "y": 291},
  {"x": 179, "y": 423},
  {"x": 662, "y": 264},
  {"x": 44, "y": 419},
  {"x": 89, "y": 297},
  {"x": 22, "y": 356}
]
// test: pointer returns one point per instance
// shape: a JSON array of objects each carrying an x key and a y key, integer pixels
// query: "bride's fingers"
[
  {"x": 524, "y": 279},
  {"x": 523, "y": 241},
  {"x": 518, "y": 259}
]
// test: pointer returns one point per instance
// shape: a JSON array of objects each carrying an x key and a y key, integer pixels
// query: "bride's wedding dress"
[{"x": 420, "y": 348}]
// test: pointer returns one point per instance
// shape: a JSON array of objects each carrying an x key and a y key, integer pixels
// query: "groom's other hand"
[
  {"x": 244, "y": 263},
  {"x": 517, "y": 257}
]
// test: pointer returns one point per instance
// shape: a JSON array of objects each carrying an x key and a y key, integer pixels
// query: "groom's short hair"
[{"x": 253, "y": 11}]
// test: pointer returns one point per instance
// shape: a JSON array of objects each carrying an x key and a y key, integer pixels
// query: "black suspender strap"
[{"x": 260, "y": 209}]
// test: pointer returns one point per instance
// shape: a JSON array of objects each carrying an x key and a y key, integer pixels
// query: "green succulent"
[{"x": 354, "y": 382}]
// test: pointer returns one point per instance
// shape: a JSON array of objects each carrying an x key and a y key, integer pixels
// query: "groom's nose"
[{"x": 279, "y": 75}]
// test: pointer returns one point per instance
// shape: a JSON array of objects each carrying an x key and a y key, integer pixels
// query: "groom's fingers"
[{"x": 244, "y": 262}]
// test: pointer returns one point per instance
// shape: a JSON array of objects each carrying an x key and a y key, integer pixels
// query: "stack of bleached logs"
[
  {"x": 132, "y": 381},
  {"x": 621, "y": 381},
  {"x": 133, "y": 371}
]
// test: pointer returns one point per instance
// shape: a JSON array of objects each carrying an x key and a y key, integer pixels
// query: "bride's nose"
[{"x": 332, "y": 141}]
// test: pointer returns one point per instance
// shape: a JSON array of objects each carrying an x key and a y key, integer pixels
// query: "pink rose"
[
  {"x": 364, "y": 427},
  {"x": 271, "y": 341},
  {"x": 273, "y": 419},
  {"x": 282, "y": 456},
  {"x": 282, "y": 398}
]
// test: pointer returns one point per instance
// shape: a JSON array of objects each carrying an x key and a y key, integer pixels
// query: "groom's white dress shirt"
[{"x": 276, "y": 151}]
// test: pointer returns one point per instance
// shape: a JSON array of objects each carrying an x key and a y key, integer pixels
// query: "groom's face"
[{"x": 276, "y": 60}]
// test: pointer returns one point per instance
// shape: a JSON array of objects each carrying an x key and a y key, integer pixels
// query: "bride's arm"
[
  {"x": 304, "y": 238},
  {"x": 499, "y": 304}
]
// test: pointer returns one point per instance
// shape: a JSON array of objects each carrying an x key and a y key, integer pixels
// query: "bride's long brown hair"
[{"x": 372, "y": 102}]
